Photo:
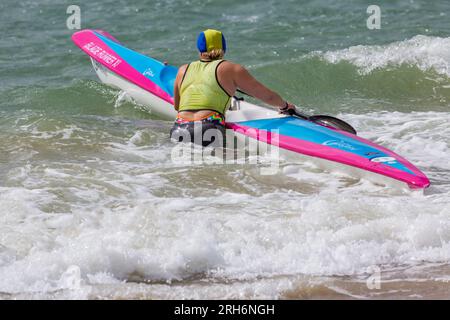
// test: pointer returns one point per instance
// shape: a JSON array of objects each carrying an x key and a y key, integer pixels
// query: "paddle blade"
[{"x": 333, "y": 122}]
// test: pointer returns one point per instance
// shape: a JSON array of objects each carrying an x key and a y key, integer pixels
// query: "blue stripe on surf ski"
[
  {"x": 311, "y": 132},
  {"x": 154, "y": 70}
]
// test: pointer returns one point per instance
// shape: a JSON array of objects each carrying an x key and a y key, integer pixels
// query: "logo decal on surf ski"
[
  {"x": 388, "y": 160},
  {"x": 148, "y": 73},
  {"x": 97, "y": 51},
  {"x": 339, "y": 144}
]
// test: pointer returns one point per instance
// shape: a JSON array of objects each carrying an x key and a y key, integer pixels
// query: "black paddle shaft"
[{"x": 323, "y": 120}]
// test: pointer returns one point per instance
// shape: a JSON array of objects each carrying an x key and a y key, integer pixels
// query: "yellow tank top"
[{"x": 200, "y": 89}]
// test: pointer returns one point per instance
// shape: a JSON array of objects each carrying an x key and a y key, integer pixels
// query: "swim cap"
[{"x": 210, "y": 39}]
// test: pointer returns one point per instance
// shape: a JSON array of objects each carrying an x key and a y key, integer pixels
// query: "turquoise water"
[{"x": 92, "y": 206}]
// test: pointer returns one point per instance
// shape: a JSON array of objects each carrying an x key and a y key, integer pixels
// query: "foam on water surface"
[
  {"x": 130, "y": 214},
  {"x": 91, "y": 205}
]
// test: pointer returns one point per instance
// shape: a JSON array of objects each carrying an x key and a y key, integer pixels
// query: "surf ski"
[{"x": 150, "y": 83}]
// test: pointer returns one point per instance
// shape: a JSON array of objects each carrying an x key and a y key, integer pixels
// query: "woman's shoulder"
[
  {"x": 184, "y": 66},
  {"x": 182, "y": 69},
  {"x": 230, "y": 65}
]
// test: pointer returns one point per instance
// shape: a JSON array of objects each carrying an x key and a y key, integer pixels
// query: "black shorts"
[{"x": 204, "y": 132}]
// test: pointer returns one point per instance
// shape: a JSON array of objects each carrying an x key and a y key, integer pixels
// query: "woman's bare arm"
[
  {"x": 247, "y": 83},
  {"x": 176, "y": 87}
]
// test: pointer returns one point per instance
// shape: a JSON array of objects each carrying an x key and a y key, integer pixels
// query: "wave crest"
[{"x": 425, "y": 52}]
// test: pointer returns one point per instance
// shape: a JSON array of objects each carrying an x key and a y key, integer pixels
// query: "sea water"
[{"x": 92, "y": 205}]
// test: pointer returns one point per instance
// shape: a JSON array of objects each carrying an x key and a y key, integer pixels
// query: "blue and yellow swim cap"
[{"x": 211, "y": 39}]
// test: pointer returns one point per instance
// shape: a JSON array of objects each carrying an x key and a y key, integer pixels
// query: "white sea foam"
[
  {"x": 424, "y": 52},
  {"x": 83, "y": 227}
]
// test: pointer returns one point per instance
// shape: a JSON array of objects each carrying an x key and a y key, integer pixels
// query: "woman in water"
[{"x": 203, "y": 91}]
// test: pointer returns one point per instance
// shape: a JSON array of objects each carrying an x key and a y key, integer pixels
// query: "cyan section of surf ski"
[
  {"x": 308, "y": 131},
  {"x": 160, "y": 74}
]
